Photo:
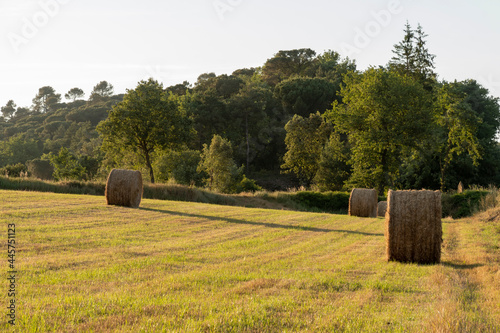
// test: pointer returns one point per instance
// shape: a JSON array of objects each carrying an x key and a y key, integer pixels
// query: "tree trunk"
[
  {"x": 443, "y": 172},
  {"x": 150, "y": 167},
  {"x": 384, "y": 180},
  {"x": 248, "y": 143}
]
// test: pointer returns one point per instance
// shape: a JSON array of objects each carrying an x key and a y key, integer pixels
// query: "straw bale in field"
[
  {"x": 382, "y": 208},
  {"x": 363, "y": 202},
  {"x": 413, "y": 226},
  {"x": 124, "y": 188}
]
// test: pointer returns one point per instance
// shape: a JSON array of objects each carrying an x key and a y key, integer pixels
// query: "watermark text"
[
  {"x": 31, "y": 25},
  {"x": 11, "y": 273}
]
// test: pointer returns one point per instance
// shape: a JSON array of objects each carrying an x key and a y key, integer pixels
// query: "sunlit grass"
[{"x": 175, "y": 266}]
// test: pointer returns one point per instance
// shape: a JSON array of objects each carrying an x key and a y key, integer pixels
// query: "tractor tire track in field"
[{"x": 459, "y": 287}]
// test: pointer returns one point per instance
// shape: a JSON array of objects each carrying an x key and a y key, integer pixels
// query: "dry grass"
[
  {"x": 413, "y": 226},
  {"x": 467, "y": 284},
  {"x": 382, "y": 208},
  {"x": 363, "y": 202}
]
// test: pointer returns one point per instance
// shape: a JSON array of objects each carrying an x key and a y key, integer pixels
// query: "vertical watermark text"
[{"x": 11, "y": 273}]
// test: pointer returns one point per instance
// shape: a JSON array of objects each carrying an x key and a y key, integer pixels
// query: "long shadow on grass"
[
  {"x": 263, "y": 224},
  {"x": 460, "y": 266}
]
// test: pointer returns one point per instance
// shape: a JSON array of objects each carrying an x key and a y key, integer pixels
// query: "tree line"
[{"x": 300, "y": 119}]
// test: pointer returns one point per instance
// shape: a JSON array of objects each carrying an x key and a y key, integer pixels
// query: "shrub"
[
  {"x": 13, "y": 170},
  {"x": 248, "y": 185},
  {"x": 66, "y": 165},
  {"x": 180, "y": 166},
  {"x": 326, "y": 201},
  {"x": 464, "y": 204}
]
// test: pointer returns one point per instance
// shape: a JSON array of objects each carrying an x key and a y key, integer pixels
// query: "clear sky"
[{"x": 78, "y": 43}]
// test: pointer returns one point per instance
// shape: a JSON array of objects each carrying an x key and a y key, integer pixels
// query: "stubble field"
[{"x": 170, "y": 266}]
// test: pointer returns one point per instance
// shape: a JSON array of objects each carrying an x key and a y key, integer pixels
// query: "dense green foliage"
[
  {"x": 333, "y": 202},
  {"x": 13, "y": 170},
  {"x": 458, "y": 205},
  {"x": 384, "y": 114},
  {"x": 305, "y": 140},
  {"x": 218, "y": 163},
  {"x": 146, "y": 120},
  {"x": 66, "y": 165},
  {"x": 313, "y": 116},
  {"x": 180, "y": 166}
]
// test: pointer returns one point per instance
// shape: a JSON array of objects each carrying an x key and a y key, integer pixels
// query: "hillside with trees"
[{"x": 301, "y": 119}]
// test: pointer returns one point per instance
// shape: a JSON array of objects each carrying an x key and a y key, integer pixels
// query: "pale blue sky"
[{"x": 77, "y": 43}]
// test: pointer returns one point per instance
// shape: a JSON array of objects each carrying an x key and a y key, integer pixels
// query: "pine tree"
[
  {"x": 424, "y": 61},
  {"x": 404, "y": 58},
  {"x": 412, "y": 56}
]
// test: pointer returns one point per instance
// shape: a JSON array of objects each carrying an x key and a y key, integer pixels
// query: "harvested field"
[{"x": 176, "y": 266}]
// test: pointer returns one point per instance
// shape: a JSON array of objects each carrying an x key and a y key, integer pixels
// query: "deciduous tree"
[
  {"x": 305, "y": 139},
  {"x": 385, "y": 113},
  {"x": 304, "y": 96},
  {"x": 217, "y": 161},
  {"x": 146, "y": 120},
  {"x": 456, "y": 131},
  {"x": 287, "y": 63},
  {"x": 333, "y": 167},
  {"x": 249, "y": 117}
]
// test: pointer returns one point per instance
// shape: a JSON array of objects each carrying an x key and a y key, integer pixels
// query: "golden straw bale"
[
  {"x": 363, "y": 202},
  {"x": 413, "y": 226},
  {"x": 382, "y": 208},
  {"x": 124, "y": 188}
]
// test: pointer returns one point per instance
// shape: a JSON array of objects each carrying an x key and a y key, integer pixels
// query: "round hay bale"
[
  {"x": 363, "y": 202},
  {"x": 413, "y": 228},
  {"x": 124, "y": 188},
  {"x": 382, "y": 208}
]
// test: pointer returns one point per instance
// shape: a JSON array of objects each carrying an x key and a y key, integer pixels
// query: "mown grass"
[{"x": 177, "y": 266}]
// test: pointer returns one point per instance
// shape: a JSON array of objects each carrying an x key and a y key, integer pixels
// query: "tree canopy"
[
  {"x": 45, "y": 99},
  {"x": 313, "y": 116},
  {"x": 384, "y": 115},
  {"x": 74, "y": 93},
  {"x": 101, "y": 90},
  {"x": 146, "y": 120}
]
